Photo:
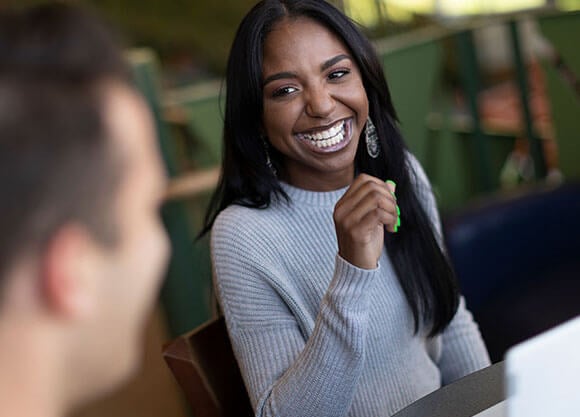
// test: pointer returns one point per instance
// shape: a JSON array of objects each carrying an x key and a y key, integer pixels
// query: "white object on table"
[{"x": 543, "y": 374}]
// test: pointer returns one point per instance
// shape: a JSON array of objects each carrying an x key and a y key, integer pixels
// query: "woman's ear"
[{"x": 69, "y": 272}]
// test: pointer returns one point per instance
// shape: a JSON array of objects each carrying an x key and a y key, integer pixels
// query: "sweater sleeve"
[
  {"x": 286, "y": 372},
  {"x": 463, "y": 349}
]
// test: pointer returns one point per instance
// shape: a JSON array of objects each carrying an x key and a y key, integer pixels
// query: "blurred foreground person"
[{"x": 82, "y": 249}]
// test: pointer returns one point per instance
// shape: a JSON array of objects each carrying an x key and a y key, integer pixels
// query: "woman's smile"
[{"x": 328, "y": 140}]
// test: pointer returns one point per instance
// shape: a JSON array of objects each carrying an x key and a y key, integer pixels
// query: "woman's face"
[{"x": 315, "y": 104}]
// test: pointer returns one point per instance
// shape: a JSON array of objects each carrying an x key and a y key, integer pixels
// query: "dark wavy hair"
[{"x": 423, "y": 269}]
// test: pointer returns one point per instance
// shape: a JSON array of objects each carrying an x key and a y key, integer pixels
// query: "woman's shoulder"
[
  {"x": 418, "y": 175},
  {"x": 237, "y": 222},
  {"x": 424, "y": 190},
  {"x": 235, "y": 213},
  {"x": 236, "y": 217},
  {"x": 244, "y": 235}
]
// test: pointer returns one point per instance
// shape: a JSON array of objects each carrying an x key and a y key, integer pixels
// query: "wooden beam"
[{"x": 193, "y": 183}]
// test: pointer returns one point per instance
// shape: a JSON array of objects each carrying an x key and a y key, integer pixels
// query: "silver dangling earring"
[
  {"x": 269, "y": 163},
  {"x": 372, "y": 139}
]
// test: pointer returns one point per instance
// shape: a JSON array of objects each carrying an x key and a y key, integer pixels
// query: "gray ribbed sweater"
[{"x": 316, "y": 336}]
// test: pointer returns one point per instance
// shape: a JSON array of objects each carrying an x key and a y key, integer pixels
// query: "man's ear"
[{"x": 68, "y": 271}]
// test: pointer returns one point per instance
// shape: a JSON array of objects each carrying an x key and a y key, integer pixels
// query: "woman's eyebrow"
[
  {"x": 333, "y": 61},
  {"x": 279, "y": 76}
]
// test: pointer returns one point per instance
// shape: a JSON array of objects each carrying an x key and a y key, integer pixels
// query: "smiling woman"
[
  {"x": 331, "y": 309},
  {"x": 315, "y": 104}
]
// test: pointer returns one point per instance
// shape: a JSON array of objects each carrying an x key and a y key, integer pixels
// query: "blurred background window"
[
  {"x": 371, "y": 13},
  {"x": 193, "y": 37}
]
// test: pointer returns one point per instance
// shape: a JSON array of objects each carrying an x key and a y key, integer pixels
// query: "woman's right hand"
[{"x": 360, "y": 218}]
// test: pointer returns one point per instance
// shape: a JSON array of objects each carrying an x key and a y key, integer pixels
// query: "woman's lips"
[{"x": 332, "y": 139}]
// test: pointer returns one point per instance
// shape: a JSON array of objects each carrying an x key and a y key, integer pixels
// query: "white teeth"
[
  {"x": 328, "y": 137},
  {"x": 328, "y": 142},
  {"x": 331, "y": 132}
]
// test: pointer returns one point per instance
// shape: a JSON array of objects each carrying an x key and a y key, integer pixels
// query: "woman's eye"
[
  {"x": 338, "y": 74},
  {"x": 284, "y": 91}
]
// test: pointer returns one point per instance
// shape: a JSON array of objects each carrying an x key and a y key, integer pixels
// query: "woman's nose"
[{"x": 320, "y": 102}]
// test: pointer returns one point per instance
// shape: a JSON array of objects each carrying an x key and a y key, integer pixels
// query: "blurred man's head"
[{"x": 82, "y": 249}]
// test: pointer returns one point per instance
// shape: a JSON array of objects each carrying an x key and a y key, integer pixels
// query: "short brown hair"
[{"x": 56, "y": 161}]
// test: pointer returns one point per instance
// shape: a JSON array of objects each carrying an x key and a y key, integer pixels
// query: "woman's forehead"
[{"x": 290, "y": 39}]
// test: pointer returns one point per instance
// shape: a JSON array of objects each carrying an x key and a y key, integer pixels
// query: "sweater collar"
[{"x": 313, "y": 198}]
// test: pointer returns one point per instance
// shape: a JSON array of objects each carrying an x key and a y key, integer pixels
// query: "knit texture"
[{"x": 316, "y": 336}]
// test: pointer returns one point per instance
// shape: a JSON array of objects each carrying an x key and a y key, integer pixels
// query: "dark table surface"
[{"x": 465, "y": 397}]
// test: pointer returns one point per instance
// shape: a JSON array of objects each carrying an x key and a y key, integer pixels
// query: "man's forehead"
[
  {"x": 132, "y": 132},
  {"x": 126, "y": 116}
]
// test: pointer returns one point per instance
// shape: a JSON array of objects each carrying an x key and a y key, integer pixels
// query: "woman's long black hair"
[{"x": 423, "y": 270}]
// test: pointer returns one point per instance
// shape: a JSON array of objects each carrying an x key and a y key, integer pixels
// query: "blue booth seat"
[{"x": 517, "y": 259}]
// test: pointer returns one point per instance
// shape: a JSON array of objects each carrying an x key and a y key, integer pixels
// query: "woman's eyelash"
[
  {"x": 333, "y": 75},
  {"x": 338, "y": 73},
  {"x": 283, "y": 91}
]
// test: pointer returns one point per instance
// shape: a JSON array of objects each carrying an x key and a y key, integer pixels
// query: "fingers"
[
  {"x": 391, "y": 185},
  {"x": 364, "y": 180},
  {"x": 379, "y": 216},
  {"x": 366, "y": 195},
  {"x": 361, "y": 216},
  {"x": 363, "y": 186},
  {"x": 368, "y": 207}
]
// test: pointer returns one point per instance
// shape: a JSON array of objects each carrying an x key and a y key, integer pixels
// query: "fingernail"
[
  {"x": 392, "y": 187},
  {"x": 398, "y": 217}
]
